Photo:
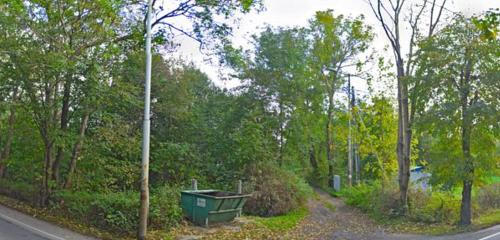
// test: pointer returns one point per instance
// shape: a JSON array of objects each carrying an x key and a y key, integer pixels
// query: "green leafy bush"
[
  {"x": 434, "y": 207},
  {"x": 275, "y": 191},
  {"x": 383, "y": 202},
  {"x": 18, "y": 190},
  {"x": 118, "y": 211},
  {"x": 165, "y": 211},
  {"x": 373, "y": 198},
  {"x": 488, "y": 197}
]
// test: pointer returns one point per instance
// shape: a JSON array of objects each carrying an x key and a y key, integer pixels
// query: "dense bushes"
[
  {"x": 425, "y": 206},
  {"x": 489, "y": 196},
  {"x": 434, "y": 207},
  {"x": 118, "y": 212},
  {"x": 381, "y": 201},
  {"x": 275, "y": 191},
  {"x": 18, "y": 190}
]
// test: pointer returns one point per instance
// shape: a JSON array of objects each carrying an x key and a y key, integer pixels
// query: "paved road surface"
[
  {"x": 492, "y": 233},
  {"x": 18, "y": 226},
  {"x": 10, "y": 231}
]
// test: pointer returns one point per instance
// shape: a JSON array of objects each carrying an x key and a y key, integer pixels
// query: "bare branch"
[
  {"x": 414, "y": 33},
  {"x": 432, "y": 25},
  {"x": 172, "y": 27},
  {"x": 380, "y": 17},
  {"x": 182, "y": 9}
]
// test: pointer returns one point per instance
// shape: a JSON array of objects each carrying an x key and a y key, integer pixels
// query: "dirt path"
[
  {"x": 329, "y": 218},
  {"x": 344, "y": 222}
]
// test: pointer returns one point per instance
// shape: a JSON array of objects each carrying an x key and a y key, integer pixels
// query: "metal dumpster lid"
[{"x": 201, "y": 193}]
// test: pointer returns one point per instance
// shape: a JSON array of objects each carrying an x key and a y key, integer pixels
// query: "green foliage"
[
  {"x": 118, "y": 211},
  {"x": 429, "y": 207},
  {"x": 18, "y": 190},
  {"x": 435, "y": 207},
  {"x": 460, "y": 124},
  {"x": 377, "y": 137},
  {"x": 284, "y": 223},
  {"x": 488, "y": 24},
  {"x": 487, "y": 197}
]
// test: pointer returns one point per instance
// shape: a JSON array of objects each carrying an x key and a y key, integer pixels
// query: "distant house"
[{"x": 419, "y": 178}]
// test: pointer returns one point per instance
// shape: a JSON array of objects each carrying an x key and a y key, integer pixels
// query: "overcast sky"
[{"x": 297, "y": 13}]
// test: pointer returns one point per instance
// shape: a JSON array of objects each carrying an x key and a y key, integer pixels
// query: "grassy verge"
[
  {"x": 432, "y": 214},
  {"x": 405, "y": 225},
  {"x": 488, "y": 219},
  {"x": 285, "y": 222}
]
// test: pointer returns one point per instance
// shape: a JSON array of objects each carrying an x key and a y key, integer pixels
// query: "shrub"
[
  {"x": 18, "y": 190},
  {"x": 118, "y": 211},
  {"x": 165, "y": 211},
  {"x": 489, "y": 197},
  {"x": 428, "y": 207},
  {"x": 373, "y": 198},
  {"x": 275, "y": 191},
  {"x": 434, "y": 207}
]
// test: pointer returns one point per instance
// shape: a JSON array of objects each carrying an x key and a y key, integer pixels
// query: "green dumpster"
[{"x": 210, "y": 206}]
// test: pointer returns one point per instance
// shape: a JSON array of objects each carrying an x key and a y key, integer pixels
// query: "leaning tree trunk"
[{"x": 76, "y": 151}]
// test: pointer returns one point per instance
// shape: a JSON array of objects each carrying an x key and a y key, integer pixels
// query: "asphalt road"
[
  {"x": 10, "y": 231},
  {"x": 491, "y": 233},
  {"x": 15, "y": 225}
]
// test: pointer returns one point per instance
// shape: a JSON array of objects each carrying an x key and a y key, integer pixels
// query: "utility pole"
[
  {"x": 349, "y": 140},
  {"x": 144, "y": 208},
  {"x": 354, "y": 145}
]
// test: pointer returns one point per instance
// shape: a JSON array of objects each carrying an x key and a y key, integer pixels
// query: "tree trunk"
[
  {"x": 76, "y": 151},
  {"x": 45, "y": 190},
  {"x": 312, "y": 158},
  {"x": 64, "y": 127},
  {"x": 5, "y": 151},
  {"x": 465, "y": 208},
  {"x": 280, "y": 122},
  {"x": 329, "y": 140},
  {"x": 404, "y": 138}
]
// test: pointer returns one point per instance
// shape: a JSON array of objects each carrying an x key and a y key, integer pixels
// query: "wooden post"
[
  {"x": 194, "y": 184},
  {"x": 240, "y": 187}
]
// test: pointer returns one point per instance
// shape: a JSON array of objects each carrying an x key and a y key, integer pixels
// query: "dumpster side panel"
[
  {"x": 187, "y": 205},
  {"x": 201, "y": 205},
  {"x": 204, "y": 209}
]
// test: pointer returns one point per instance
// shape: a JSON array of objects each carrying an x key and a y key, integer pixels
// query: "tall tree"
[
  {"x": 461, "y": 67},
  {"x": 74, "y": 46},
  {"x": 338, "y": 45},
  {"x": 392, "y": 15},
  {"x": 377, "y": 137}
]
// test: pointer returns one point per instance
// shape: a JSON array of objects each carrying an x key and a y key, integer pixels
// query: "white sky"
[{"x": 297, "y": 13}]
